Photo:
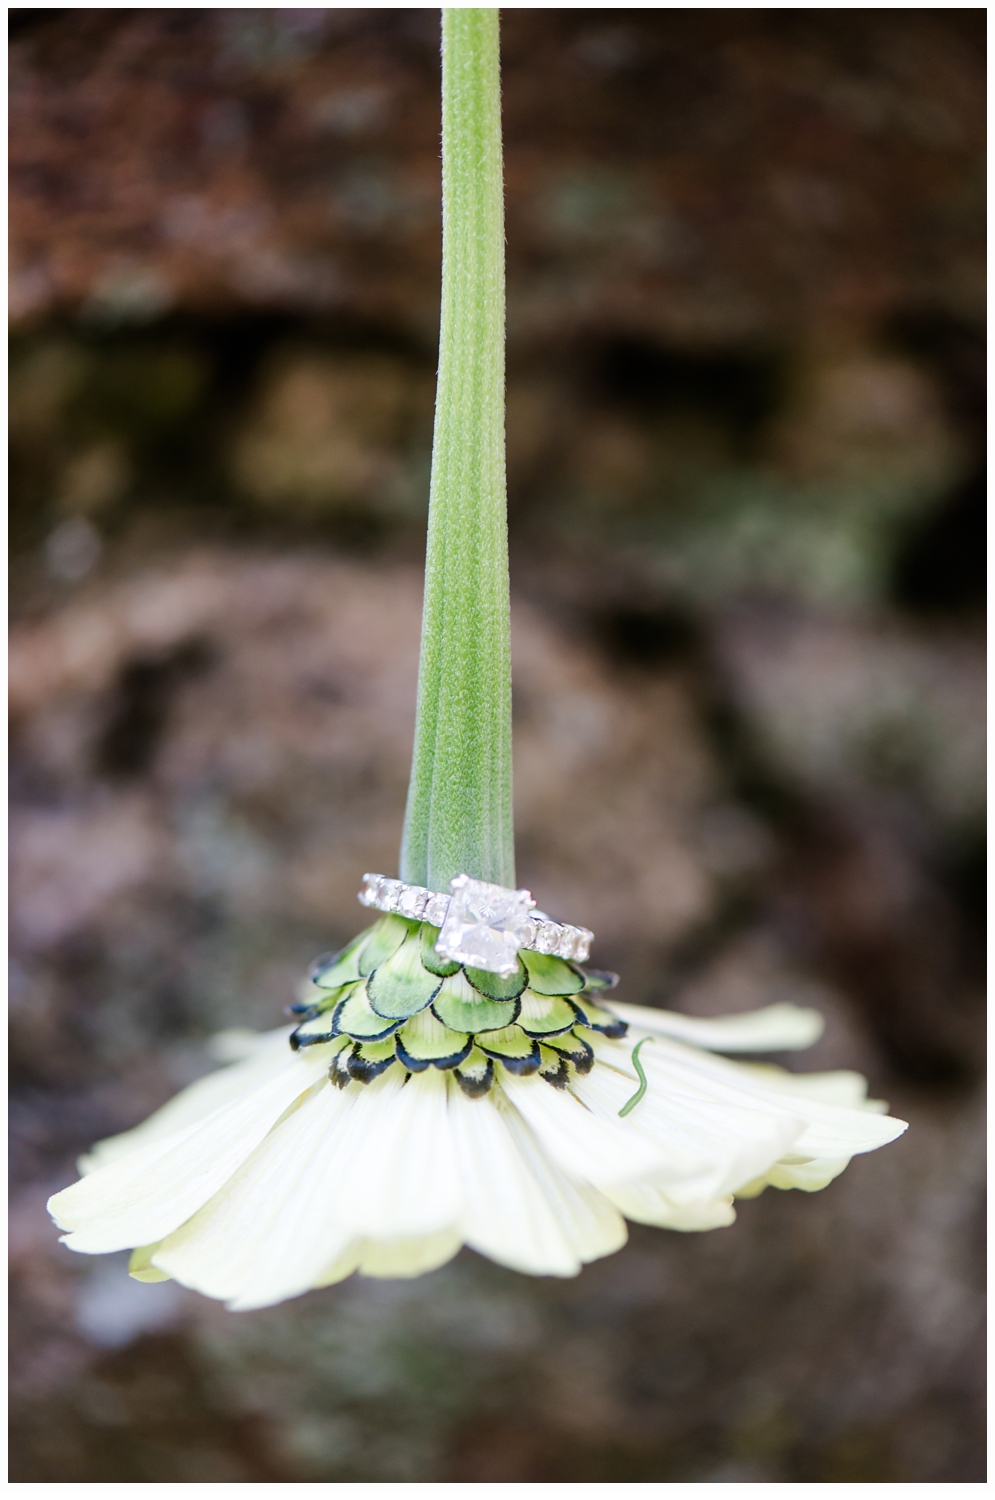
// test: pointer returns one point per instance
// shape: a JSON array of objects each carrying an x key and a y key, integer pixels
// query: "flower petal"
[
  {"x": 590, "y": 1147},
  {"x": 154, "y": 1189},
  {"x": 645, "y": 1203},
  {"x": 731, "y": 1135},
  {"x": 809, "y": 1176},
  {"x": 261, "y": 1057},
  {"x": 776, "y": 1028},
  {"x": 734, "y": 1110},
  {"x": 831, "y": 1130},
  {"x": 517, "y": 1208},
  {"x": 842, "y": 1087},
  {"x": 392, "y": 1166},
  {"x": 270, "y": 1231},
  {"x": 407, "y": 1257}
]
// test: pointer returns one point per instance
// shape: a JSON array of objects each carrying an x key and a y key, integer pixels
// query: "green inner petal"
[
  {"x": 401, "y": 986},
  {"x": 368, "y": 1060},
  {"x": 573, "y": 1047},
  {"x": 554, "y": 1068},
  {"x": 599, "y": 979},
  {"x": 475, "y": 1075},
  {"x": 424, "y": 1041},
  {"x": 459, "y": 1005},
  {"x": 320, "y": 1028},
  {"x": 600, "y": 1020},
  {"x": 432, "y": 960},
  {"x": 344, "y": 967},
  {"x": 356, "y": 1018},
  {"x": 512, "y": 1047},
  {"x": 323, "y": 1000},
  {"x": 545, "y": 1015},
  {"x": 551, "y": 976},
  {"x": 385, "y": 939},
  {"x": 498, "y": 986}
]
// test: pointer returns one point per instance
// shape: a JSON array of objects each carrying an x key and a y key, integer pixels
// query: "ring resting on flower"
[
  {"x": 423, "y": 1104},
  {"x": 479, "y": 923}
]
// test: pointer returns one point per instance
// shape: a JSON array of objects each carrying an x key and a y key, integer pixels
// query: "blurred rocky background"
[{"x": 747, "y": 522}]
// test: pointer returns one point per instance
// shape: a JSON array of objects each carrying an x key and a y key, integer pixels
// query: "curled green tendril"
[{"x": 630, "y": 1104}]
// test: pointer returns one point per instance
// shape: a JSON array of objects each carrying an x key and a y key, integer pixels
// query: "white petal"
[
  {"x": 845, "y": 1088},
  {"x": 646, "y": 1204},
  {"x": 776, "y": 1028},
  {"x": 393, "y": 1164},
  {"x": 733, "y": 1137},
  {"x": 809, "y": 1176},
  {"x": 410, "y": 1257},
  {"x": 150, "y": 1192},
  {"x": 140, "y": 1265},
  {"x": 695, "y": 1079},
  {"x": 517, "y": 1209},
  {"x": 270, "y": 1232},
  {"x": 342, "y": 1266},
  {"x": 270, "y": 1055},
  {"x": 590, "y": 1147}
]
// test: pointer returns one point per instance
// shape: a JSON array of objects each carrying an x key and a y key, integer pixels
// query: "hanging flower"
[
  {"x": 423, "y": 1103},
  {"x": 413, "y": 1112}
]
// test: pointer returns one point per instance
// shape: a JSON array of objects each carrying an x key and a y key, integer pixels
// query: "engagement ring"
[{"x": 480, "y": 924}]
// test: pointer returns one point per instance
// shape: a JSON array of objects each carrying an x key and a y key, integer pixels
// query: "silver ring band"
[{"x": 533, "y": 929}]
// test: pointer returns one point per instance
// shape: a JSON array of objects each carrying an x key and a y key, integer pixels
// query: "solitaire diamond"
[{"x": 485, "y": 925}]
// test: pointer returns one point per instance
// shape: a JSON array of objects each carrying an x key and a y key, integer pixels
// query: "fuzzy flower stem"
[{"x": 459, "y": 816}]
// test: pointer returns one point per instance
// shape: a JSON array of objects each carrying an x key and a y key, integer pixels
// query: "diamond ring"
[{"x": 480, "y": 924}]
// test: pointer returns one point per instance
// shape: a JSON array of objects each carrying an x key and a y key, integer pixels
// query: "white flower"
[{"x": 274, "y": 1175}]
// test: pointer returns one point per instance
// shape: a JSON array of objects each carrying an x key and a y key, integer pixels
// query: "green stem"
[{"x": 458, "y": 816}]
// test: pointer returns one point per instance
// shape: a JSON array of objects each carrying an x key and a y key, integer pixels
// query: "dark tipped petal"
[
  {"x": 554, "y": 1068},
  {"x": 476, "y": 1075},
  {"x": 598, "y": 1019},
  {"x": 368, "y": 1060},
  {"x": 599, "y": 979}
]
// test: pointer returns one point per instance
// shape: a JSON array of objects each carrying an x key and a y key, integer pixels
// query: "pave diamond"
[
  {"x": 412, "y": 902},
  {"x": 583, "y": 944},
  {"x": 390, "y": 890},
  {"x": 369, "y": 891},
  {"x": 567, "y": 946},
  {"x": 485, "y": 925},
  {"x": 548, "y": 937},
  {"x": 435, "y": 911}
]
